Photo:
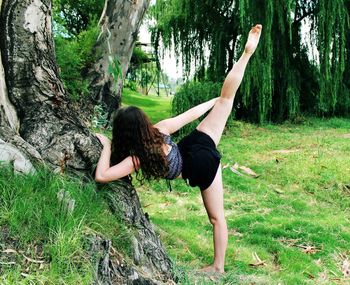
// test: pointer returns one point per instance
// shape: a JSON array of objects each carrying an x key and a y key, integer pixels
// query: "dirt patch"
[{"x": 12, "y": 255}]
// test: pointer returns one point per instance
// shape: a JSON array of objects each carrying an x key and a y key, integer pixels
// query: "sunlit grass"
[
  {"x": 294, "y": 216},
  {"x": 157, "y": 108},
  {"x": 299, "y": 200},
  {"x": 34, "y": 223}
]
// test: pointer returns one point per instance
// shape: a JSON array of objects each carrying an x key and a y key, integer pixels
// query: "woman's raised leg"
[{"x": 214, "y": 123}]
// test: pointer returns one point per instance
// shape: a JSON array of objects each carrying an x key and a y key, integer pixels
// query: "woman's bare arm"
[
  {"x": 171, "y": 125},
  {"x": 105, "y": 173}
]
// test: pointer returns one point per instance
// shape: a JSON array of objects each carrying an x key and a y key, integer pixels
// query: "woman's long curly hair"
[{"x": 134, "y": 135}]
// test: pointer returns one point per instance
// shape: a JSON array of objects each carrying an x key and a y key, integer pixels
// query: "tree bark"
[
  {"x": 120, "y": 22},
  {"x": 47, "y": 130},
  {"x": 36, "y": 91},
  {"x": 13, "y": 148}
]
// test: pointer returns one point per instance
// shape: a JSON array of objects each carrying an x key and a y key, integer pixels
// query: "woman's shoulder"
[{"x": 161, "y": 129}]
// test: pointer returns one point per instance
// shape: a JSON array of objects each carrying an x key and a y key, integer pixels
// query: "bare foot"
[
  {"x": 211, "y": 269},
  {"x": 253, "y": 39}
]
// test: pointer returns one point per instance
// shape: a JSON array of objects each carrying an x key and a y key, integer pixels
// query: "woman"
[{"x": 137, "y": 144}]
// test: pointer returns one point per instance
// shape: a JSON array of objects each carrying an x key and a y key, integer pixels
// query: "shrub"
[
  {"x": 73, "y": 56},
  {"x": 191, "y": 94}
]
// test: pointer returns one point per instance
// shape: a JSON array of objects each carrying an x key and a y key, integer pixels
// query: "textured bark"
[
  {"x": 112, "y": 268},
  {"x": 148, "y": 251},
  {"x": 34, "y": 88},
  {"x": 13, "y": 148},
  {"x": 51, "y": 132},
  {"x": 120, "y": 23}
]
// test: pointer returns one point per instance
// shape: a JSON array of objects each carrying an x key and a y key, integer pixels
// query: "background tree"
[
  {"x": 76, "y": 15},
  {"x": 287, "y": 76},
  {"x": 120, "y": 22}
]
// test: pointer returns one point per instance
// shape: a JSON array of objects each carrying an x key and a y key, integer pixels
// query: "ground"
[{"x": 287, "y": 201}]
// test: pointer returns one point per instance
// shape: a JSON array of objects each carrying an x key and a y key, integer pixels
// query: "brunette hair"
[{"x": 135, "y": 136}]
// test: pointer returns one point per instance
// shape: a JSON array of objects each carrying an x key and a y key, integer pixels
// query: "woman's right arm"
[
  {"x": 105, "y": 173},
  {"x": 173, "y": 124}
]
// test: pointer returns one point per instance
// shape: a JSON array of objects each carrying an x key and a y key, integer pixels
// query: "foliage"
[
  {"x": 131, "y": 84},
  {"x": 144, "y": 70},
  {"x": 285, "y": 77},
  {"x": 74, "y": 55},
  {"x": 76, "y": 15},
  {"x": 333, "y": 22},
  {"x": 115, "y": 69},
  {"x": 100, "y": 118},
  {"x": 191, "y": 94}
]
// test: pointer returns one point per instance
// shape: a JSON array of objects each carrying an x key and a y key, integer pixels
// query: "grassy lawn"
[
  {"x": 157, "y": 108},
  {"x": 294, "y": 217},
  {"x": 290, "y": 225}
]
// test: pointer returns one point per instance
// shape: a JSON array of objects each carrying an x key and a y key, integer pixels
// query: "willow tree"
[{"x": 286, "y": 76}]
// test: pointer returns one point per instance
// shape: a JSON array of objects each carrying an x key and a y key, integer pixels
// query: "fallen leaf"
[
  {"x": 248, "y": 171},
  {"x": 258, "y": 261},
  {"x": 318, "y": 262},
  {"x": 33, "y": 260},
  {"x": 289, "y": 242},
  {"x": 347, "y": 136},
  {"x": 7, "y": 263},
  {"x": 235, "y": 233},
  {"x": 226, "y": 165},
  {"x": 309, "y": 275},
  {"x": 346, "y": 187},
  {"x": 10, "y": 250},
  {"x": 308, "y": 249},
  {"x": 235, "y": 166},
  {"x": 346, "y": 268},
  {"x": 278, "y": 191},
  {"x": 235, "y": 171}
]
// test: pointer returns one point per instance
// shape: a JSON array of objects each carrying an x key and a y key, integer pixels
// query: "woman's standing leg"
[
  {"x": 213, "y": 125},
  {"x": 213, "y": 198}
]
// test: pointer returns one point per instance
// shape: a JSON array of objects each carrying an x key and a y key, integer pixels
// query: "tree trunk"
[
  {"x": 120, "y": 22},
  {"x": 36, "y": 91},
  {"x": 37, "y": 124},
  {"x": 13, "y": 148}
]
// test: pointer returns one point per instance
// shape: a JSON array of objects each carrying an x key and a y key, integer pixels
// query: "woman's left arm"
[
  {"x": 105, "y": 173},
  {"x": 171, "y": 125}
]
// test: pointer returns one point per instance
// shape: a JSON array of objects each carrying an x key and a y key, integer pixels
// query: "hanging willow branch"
[{"x": 285, "y": 77}]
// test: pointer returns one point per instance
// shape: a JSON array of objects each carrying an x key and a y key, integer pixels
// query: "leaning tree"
[
  {"x": 119, "y": 22},
  {"x": 37, "y": 125}
]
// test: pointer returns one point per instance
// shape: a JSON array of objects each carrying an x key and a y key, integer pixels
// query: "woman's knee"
[
  {"x": 225, "y": 101},
  {"x": 217, "y": 220}
]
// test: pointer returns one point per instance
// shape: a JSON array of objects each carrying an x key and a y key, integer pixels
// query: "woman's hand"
[{"x": 104, "y": 140}]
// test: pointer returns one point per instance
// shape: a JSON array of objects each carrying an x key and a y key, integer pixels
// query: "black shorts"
[{"x": 200, "y": 158}]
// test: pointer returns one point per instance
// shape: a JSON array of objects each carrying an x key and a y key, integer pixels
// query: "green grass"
[
  {"x": 35, "y": 224},
  {"x": 157, "y": 108},
  {"x": 300, "y": 199}
]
